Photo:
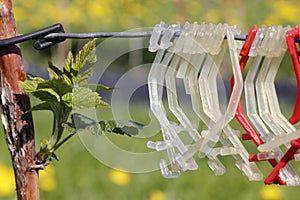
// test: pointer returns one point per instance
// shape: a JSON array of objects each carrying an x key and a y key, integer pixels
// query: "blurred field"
[{"x": 78, "y": 175}]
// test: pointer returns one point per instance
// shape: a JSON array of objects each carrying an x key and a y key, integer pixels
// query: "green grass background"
[{"x": 80, "y": 176}]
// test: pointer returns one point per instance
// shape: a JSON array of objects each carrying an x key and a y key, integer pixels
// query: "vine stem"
[
  {"x": 63, "y": 141},
  {"x": 18, "y": 124}
]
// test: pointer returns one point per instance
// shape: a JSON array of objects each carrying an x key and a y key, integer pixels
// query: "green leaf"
[
  {"x": 86, "y": 54},
  {"x": 68, "y": 62},
  {"x": 54, "y": 71},
  {"x": 84, "y": 75},
  {"x": 68, "y": 80},
  {"x": 36, "y": 79},
  {"x": 59, "y": 85},
  {"x": 82, "y": 122},
  {"x": 41, "y": 106},
  {"x": 83, "y": 98},
  {"x": 67, "y": 90},
  {"x": 68, "y": 99},
  {"x": 47, "y": 94},
  {"x": 29, "y": 86}
]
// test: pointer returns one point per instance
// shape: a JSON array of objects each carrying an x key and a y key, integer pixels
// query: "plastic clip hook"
[
  {"x": 249, "y": 169},
  {"x": 239, "y": 113},
  {"x": 213, "y": 133},
  {"x": 208, "y": 74},
  {"x": 250, "y": 97},
  {"x": 170, "y": 129},
  {"x": 251, "y": 133},
  {"x": 269, "y": 48},
  {"x": 155, "y": 36},
  {"x": 277, "y": 51},
  {"x": 262, "y": 101},
  {"x": 191, "y": 81},
  {"x": 168, "y": 36},
  {"x": 172, "y": 94},
  {"x": 209, "y": 93},
  {"x": 242, "y": 119}
]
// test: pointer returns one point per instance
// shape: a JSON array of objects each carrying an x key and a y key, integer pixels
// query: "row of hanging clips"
[{"x": 195, "y": 56}]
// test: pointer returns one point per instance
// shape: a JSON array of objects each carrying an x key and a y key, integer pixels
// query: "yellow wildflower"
[
  {"x": 282, "y": 12},
  {"x": 270, "y": 192},
  {"x": 47, "y": 180},
  {"x": 286, "y": 10},
  {"x": 157, "y": 195},
  {"x": 119, "y": 177},
  {"x": 7, "y": 183},
  {"x": 212, "y": 15}
]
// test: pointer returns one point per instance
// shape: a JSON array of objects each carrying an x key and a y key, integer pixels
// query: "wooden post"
[{"x": 18, "y": 125}]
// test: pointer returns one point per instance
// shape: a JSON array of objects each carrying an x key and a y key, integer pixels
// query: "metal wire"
[
  {"x": 54, "y": 34},
  {"x": 98, "y": 35},
  {"x": 113, "y": 34}
]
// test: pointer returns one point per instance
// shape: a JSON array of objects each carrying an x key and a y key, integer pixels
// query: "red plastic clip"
[
  {"x": 289, "y": 155},
  {"x": 241, "y": 118},
  {"x": 291, "y": 35},
  {"x": 239, "y": 112},
  {"x": 290, "y": 39}
]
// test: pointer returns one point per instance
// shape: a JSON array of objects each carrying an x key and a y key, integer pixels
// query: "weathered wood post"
[{"x": 18, "y": 125}]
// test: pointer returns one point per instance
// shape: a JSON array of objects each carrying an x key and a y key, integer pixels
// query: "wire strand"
[
  {"x": 98, "y": 35},
  {"x": 113, "y": 34},
  {"x": 54, "y": 34}
]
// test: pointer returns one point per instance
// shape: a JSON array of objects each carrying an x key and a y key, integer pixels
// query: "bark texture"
[{"x": 18, "y": 125}]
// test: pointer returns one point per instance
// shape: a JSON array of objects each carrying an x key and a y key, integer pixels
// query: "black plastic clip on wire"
[{"x": 41, "y": 42}]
